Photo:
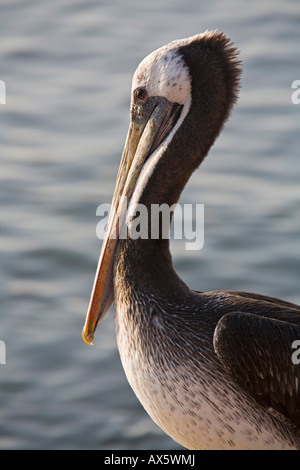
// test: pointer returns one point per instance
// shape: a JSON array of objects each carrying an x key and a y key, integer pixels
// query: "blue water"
[{"x": 67, "y": 66}]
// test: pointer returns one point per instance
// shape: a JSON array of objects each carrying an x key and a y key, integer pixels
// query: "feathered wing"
[{"x": 259, "y": 354}]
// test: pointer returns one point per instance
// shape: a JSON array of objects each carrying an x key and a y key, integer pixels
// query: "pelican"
[{"x": 213, "y": 369}]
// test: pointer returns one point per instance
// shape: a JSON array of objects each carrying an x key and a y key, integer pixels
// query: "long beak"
[{"x": 142, "y": 139}]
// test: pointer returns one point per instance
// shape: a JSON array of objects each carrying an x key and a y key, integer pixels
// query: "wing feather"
[{"x": 257, "y": 352}]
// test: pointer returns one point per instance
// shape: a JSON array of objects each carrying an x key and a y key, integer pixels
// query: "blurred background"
[{"x": 68, "y": 66}]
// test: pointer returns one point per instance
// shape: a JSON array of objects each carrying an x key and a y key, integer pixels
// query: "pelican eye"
[{"x": 140, "y": 94}]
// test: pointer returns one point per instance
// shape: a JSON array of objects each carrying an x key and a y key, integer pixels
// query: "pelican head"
[{"x": 189, "y": 86}]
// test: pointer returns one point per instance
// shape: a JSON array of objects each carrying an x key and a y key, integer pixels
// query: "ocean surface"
[{"x": 67, "y": 66}]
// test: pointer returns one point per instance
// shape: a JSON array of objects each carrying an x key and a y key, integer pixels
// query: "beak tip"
[{"x": 88, "y": 338}]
